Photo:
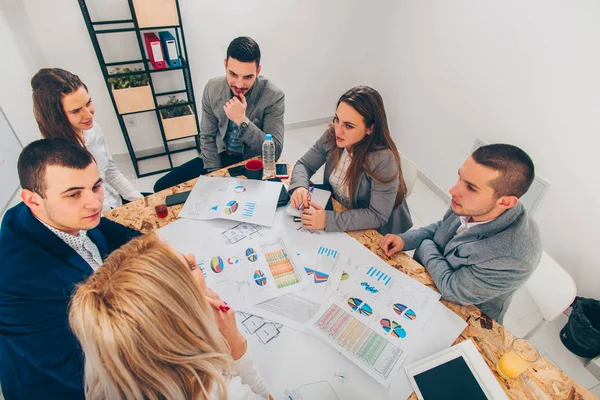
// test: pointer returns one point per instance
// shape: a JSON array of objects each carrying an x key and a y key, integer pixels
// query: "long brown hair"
[
  {"x": 49, "y": 86},
  {"x": 146, "y": 329},
  {"x": 369, "y": 104}
]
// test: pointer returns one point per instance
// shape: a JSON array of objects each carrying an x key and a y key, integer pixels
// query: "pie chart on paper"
[
  {"x": 404, "y": 311},
  {"x": 393, "y": 328},
  {"x": 231, "y": 207},
  {"x": 260, "y": 278},
  {"x": 251, "y": 254},
  {"x": 359, "y": 306},
  {"x": 216, "y": 264}
]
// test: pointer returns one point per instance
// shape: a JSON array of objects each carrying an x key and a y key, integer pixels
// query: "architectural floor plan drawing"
[
  {"x": 241, "y": 231},
  {"x": 265, "y": 331}
]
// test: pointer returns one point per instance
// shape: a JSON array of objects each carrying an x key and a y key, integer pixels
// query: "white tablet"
[{"x": 458, "y": 372}]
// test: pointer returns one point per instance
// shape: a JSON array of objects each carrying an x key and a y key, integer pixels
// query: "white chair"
[
  {"x": 409, "y": 172},
  {"x": 552, "y": 289}
]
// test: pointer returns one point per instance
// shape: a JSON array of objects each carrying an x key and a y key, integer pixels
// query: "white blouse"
[
  {"x": 246, "y": 384},
  {"x": 336, "y": 179},
  {"x": 115, "y": 184}
]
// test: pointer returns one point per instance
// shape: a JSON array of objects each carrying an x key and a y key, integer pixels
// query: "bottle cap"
[{"x": 268, "y": 137}]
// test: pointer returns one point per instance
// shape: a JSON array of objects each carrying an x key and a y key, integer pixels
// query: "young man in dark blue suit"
[{"x": 49, "y": 243}]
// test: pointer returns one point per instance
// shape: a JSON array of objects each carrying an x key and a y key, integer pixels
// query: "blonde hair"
[{"x": 146, "y": 330}]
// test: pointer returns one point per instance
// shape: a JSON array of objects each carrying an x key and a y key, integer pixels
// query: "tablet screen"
[{"x": 450, "y": 380}]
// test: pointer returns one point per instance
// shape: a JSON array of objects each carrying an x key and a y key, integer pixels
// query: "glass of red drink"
[{"x": 160, "y": 207}]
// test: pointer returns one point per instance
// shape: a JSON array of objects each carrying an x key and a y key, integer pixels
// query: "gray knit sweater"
[{"x": 486, "y": 264}]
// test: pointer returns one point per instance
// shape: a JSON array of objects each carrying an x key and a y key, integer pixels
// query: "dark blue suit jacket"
[{"x": 40, "y": 357}]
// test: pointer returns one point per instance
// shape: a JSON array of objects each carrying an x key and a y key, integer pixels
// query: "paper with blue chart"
[
  {"x": 252, "y": 271},
  {"x": 323, "y": 262},
  {"x": 236, "y": 199},
  {"x": 374, "y": 313}
]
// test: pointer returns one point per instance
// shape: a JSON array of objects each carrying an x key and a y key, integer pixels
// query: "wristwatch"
[{"x": 244, "y": 126}]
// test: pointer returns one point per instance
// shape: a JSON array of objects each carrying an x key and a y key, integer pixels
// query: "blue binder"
[{"x": 169, "y": 46}]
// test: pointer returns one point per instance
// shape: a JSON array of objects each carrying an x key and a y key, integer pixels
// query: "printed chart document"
[
  {"x": 254, "y": 268},
  {"x": 322, "y": 368},
  {"x": 232, "y": 198},
  {"x": 323, "y": 262},
  {"x": 373, "y": 315},
  {"x": 251, "y": 271}
]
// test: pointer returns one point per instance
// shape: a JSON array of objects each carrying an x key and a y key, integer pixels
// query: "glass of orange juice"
[{"x": 520, "y": 355}]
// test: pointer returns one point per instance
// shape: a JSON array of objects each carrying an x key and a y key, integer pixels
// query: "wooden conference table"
[{"x": 541, "y": 381}]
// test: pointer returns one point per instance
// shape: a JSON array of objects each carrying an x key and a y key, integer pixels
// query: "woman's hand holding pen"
[{"x": 300, "y": 197}]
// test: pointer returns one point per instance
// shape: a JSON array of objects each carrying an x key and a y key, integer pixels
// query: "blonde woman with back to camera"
[{"x": 150, "y": 329}]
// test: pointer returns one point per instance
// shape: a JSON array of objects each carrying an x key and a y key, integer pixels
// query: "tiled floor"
[{"x": 426, "y": 208}]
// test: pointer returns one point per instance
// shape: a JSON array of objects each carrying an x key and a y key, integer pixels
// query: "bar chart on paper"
[
  {"x": 280, "y": 264},
  {"x": 379, "y": 275},
  {"x": 365, "y": 345},
  {"x": 249, "y": 209},
  {"x": 327, "y": 252}
]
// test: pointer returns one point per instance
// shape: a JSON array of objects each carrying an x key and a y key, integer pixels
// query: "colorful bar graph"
[
  {"x": 280, "y": 264},
  {"x": 362, "y": 342},
  {"x": 281, "y": 268}
]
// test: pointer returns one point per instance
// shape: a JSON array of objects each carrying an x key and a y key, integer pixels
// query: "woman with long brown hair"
[
  {"x": 150, "y": 330},
  {"x": 362, "y": 167},
  {"x": 63, "y": 108}
]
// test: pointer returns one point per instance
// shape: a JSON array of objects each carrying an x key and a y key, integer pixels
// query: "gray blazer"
[
  {"x": 484, "y": 265},
  {"x": 373, "y": 200},
  {"x": 266, "y": 105}
]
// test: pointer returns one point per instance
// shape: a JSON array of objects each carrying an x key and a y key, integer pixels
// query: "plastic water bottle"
[{"x": 268, "y": 156}]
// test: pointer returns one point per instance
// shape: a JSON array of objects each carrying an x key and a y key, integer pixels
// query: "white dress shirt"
[
  {"x": 82, "y": 244},
  {"x": 466, "y": 223},
  {"x": 115, "y": 184}
]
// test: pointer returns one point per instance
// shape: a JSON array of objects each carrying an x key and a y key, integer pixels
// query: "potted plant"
[
  {"x": 178, "y": 121},
  {"x": 132, "y": 93},
  {"x": 155, "y": 13}
]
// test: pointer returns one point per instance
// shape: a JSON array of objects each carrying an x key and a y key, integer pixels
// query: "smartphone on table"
[
  {"x": 281, "y": 170},
  {"x": 177, "y": 198},
  {"x": 236, "y": 171}
]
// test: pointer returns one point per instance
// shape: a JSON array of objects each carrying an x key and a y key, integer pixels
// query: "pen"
[
  {"x": 310, "y": 190},
  {"x": 297, "y": 219}
]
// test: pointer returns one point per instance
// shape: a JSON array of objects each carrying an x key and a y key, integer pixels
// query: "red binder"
[{"x": 154, "y": 49}]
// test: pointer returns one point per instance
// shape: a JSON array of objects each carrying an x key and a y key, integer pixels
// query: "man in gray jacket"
[
  {"x": 486, "y": 246},
  {"x": 238, "y": 109}
]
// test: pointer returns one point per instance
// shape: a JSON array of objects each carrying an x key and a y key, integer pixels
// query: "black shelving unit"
[{"x": 96, "y": 28}]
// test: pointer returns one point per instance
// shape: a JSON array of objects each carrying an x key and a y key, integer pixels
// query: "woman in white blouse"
[
  {"x": 63, "y": 108},
  {"x": 150, "y": 329}
]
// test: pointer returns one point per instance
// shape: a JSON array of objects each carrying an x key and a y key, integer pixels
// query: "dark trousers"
[{"x": 190, "y": 170}]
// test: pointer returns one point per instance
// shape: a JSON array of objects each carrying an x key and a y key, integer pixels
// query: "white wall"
[
  {"x": 21, "y": 59},
  {"x": 521, "y": 72},
  {"x": 311, "y": 49}
]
